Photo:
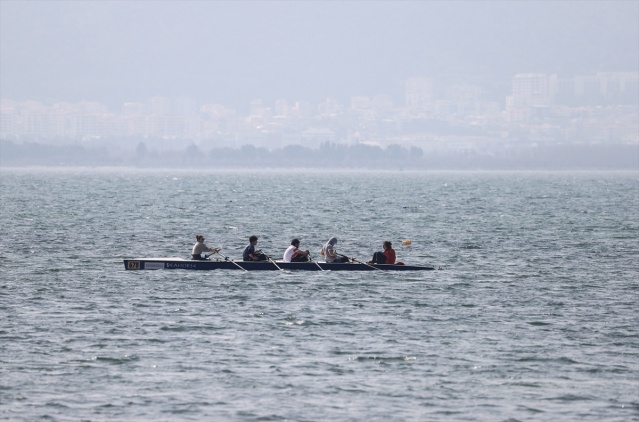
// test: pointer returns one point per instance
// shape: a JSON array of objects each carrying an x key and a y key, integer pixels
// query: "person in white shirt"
[
  {"x": 200, "y": 247},
  {"x": 294, "y": 254}
]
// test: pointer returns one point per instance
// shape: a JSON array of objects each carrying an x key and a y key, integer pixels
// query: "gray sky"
[{"x": 232, "y": 52}]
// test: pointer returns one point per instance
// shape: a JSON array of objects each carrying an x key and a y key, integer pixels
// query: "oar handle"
[
  {"x": 222, "y": 255},
  {"x": 346, "y": 256}
]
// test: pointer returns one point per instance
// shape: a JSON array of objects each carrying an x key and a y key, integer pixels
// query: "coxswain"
[{"x": 386, "y": 257}]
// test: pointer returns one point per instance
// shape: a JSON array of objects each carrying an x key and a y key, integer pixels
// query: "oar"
[
  {"x": 360, "y": 262},
  {"x": 310, "y": 258},
  {"x": 273, "y": 262},
  {"x": 226, "y": 258}
]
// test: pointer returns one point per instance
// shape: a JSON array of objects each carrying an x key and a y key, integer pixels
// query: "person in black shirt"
[{"x": 250, "y": 254}]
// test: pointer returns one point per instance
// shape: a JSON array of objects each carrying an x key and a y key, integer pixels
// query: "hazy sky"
[{"x": 232, "y": 52}]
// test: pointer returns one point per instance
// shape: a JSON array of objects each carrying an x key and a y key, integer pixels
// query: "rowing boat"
[{"x": 189, "y": 264}]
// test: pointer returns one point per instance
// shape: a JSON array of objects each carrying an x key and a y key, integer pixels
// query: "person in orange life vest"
[{"x": 386, "y": 257}]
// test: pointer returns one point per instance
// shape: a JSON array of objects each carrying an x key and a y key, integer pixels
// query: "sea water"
[{"x": 533, "y": 313}]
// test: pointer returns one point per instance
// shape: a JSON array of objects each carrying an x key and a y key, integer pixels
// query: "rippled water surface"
[{"x": 533, "y": 314}]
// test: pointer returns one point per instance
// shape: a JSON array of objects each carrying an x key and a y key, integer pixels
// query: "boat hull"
[{"x": 208, "y": 265}]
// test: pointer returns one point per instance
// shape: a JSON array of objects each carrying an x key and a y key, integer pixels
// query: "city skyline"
[
  {"x": 579, "y": 86},
  {"x": 540, "y": 108},
  {"x": 587, "y": 121}
]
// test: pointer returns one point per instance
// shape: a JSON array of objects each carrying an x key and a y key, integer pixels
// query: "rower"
[
  {"x": 294, "y": 253},
  {"x": 330, "y": 253},
  {"x": 250, "y": 254},
  {"x": 200, "y": 247}
]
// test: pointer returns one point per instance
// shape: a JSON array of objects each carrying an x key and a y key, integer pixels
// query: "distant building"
[
  {"x": 419, "y": 92},
  {"x": 533, "y": 89},
  {"x": 159, "y": 105},
  {"x": 258, "y": 110},
  {"x": 281, "y": 108},
  {"x": 329, "y": 106},
  {"x": 607, "y": 88},
  {"x": 185, "y": 106},
  {"x": 361, "y": 102},
  {"x": 465, "y": 99},
  {"x": 134, "y": 109},
  {"x": 530, "y": 93}
]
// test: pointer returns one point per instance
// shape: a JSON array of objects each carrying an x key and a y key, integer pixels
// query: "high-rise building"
[
  {"x": 607, "y": 88},
  {"x": 533, "y": 89}
]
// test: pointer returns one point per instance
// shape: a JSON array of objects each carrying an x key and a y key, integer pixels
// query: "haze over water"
[
  {"x": 234, "y": 52},
  {"x": 533, "y": 314},
  {"x": 472, "y": 84}
]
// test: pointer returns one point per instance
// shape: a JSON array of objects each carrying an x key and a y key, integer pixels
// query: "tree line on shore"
[{"x": 328, "y": 155}]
